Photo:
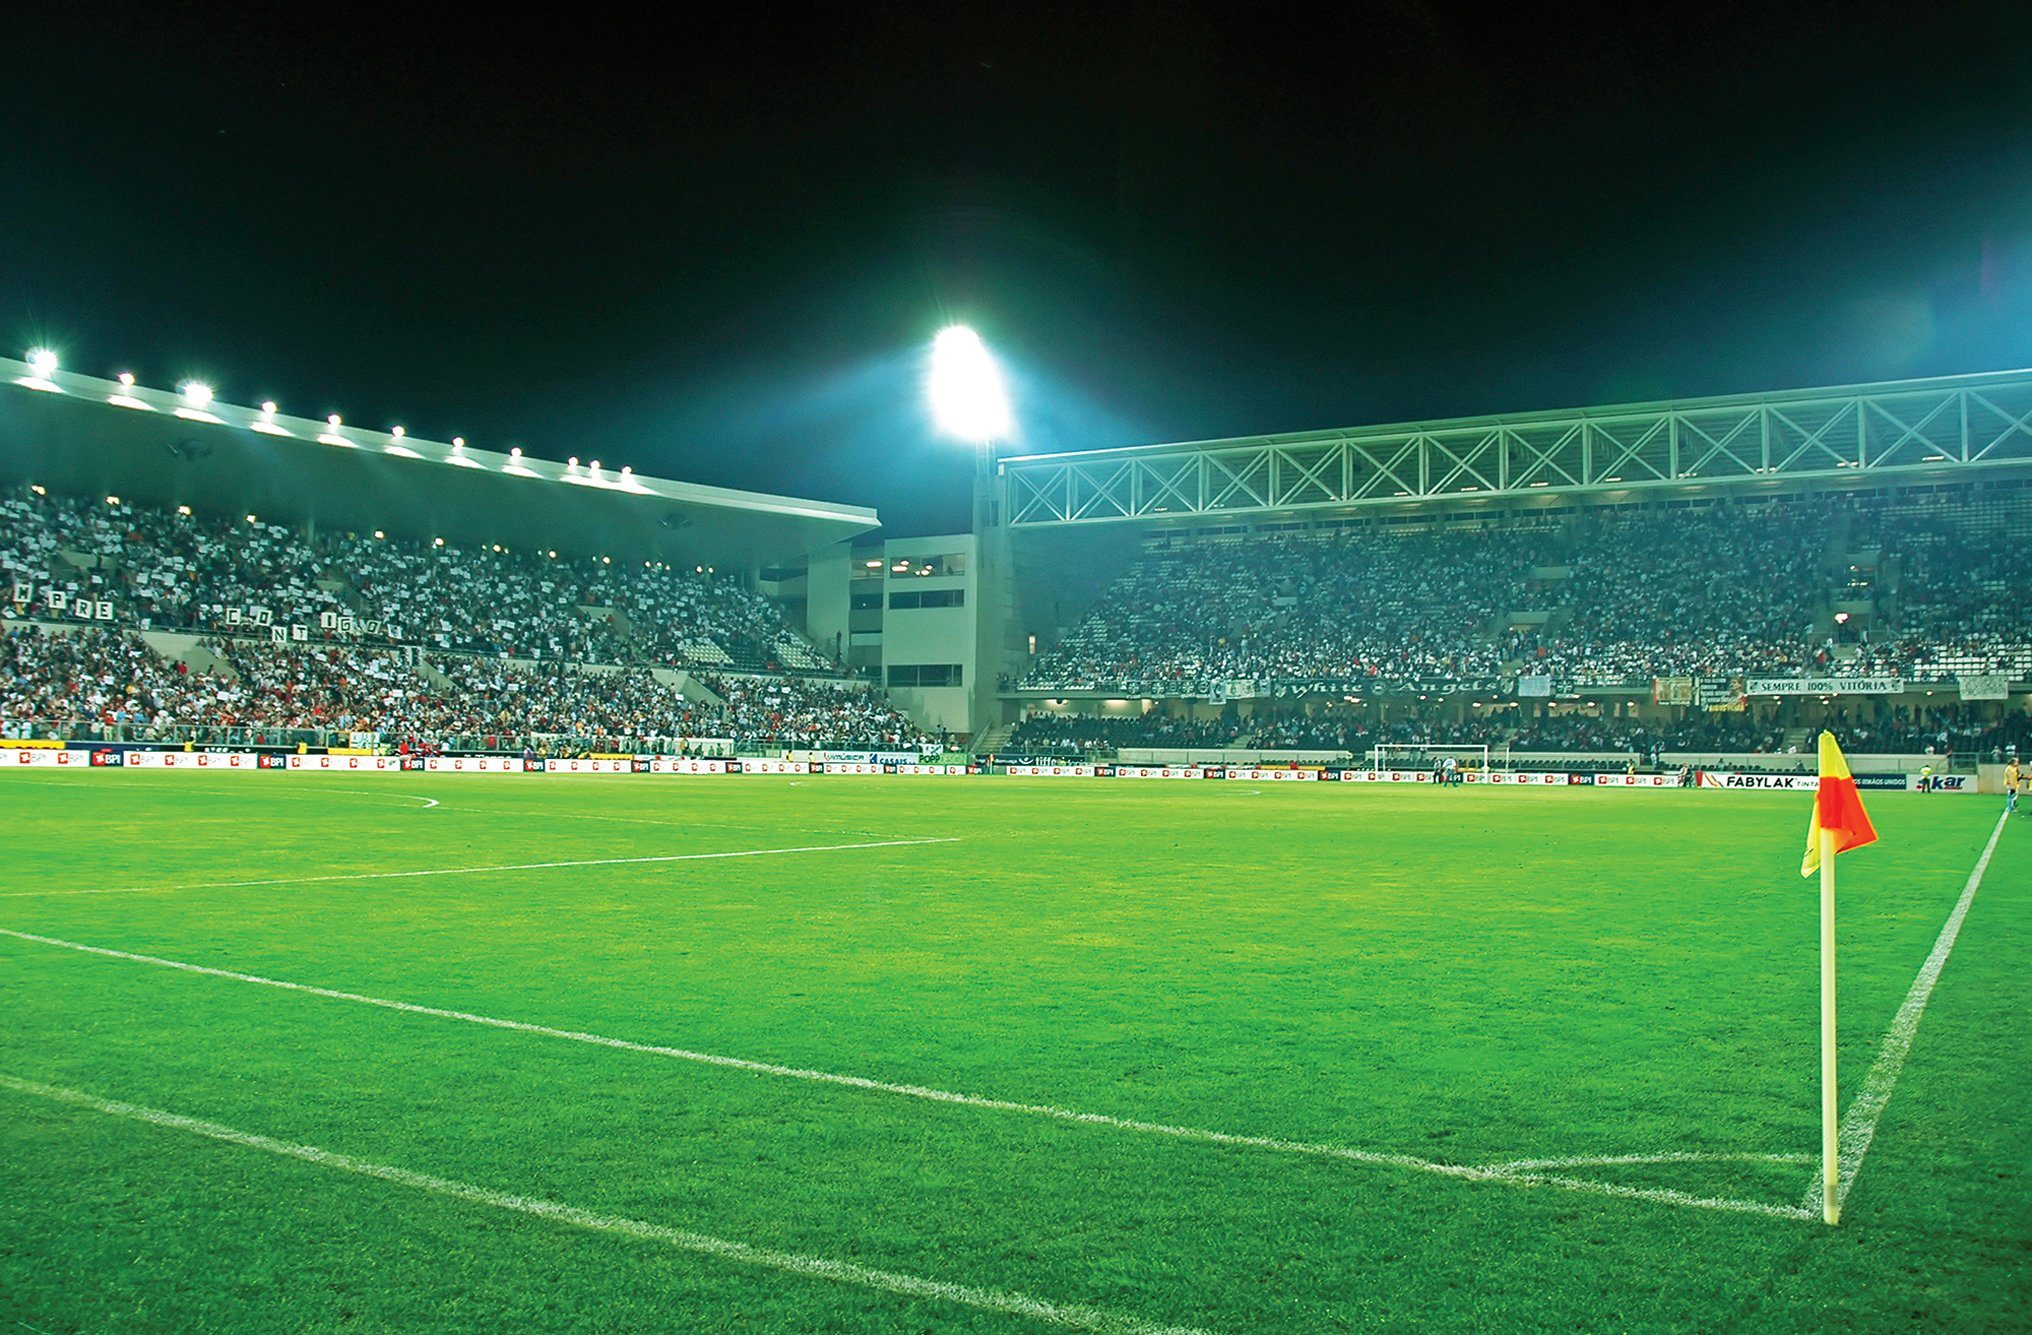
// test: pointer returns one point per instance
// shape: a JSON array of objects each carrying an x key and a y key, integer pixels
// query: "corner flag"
[
  {"x": 1838, "y": 824},
  {"x": 1837, "y": 808}
]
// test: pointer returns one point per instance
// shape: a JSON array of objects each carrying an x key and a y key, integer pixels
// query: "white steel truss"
[{"x": 1959, "y": 426}]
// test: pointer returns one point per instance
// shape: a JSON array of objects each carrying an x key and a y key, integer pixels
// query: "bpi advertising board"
[
  {"x": 205, "y": 760},
  {"x": 46, "y": 758},
  {"x": 359, "y": 764},
  {"x": 686, "y": 765},
  {"x": 763, "y": 765},
  {"x": 1158, "y": 772},
  {"x": 474, "y": 765},
  {"x": 1052, "y": 771},
  {"x": 1275, "y": 775},
  {"x": 589, "y": 766}
]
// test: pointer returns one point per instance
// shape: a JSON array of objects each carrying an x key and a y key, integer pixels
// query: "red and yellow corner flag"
[{"x": 1837, "y": 808}]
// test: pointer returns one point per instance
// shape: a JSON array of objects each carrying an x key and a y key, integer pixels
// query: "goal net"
[{"x": 1427, "y": 755}]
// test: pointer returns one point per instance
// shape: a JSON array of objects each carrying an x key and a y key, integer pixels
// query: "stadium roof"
[
  {"x": 1906, "y": 430},
  {"x": 81, "y": 435}
]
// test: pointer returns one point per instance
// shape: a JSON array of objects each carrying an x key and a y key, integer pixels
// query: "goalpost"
[{"x": 1425, "y": 755}]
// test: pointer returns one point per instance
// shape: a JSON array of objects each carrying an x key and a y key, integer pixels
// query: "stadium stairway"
[
  {"x": 189, "y": 649},
  {"x": 438, "y": 680},
  {"x": 993, "y": 740}
]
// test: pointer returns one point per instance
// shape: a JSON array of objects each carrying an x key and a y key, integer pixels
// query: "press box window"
[
  {"x": 925, "y": 674},
  {"x": 928, "y": 598}
]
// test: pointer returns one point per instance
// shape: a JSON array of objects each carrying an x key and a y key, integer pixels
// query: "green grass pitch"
[{"x": 1437, "y": 981}]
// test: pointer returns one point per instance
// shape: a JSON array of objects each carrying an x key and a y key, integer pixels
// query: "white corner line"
[
  {"x": 473, "y": 871},
  {"x": 1070, "y": 1316},
  {"x": 1510, "y": 1174},
  {"x": 1859, "y": 1124}
]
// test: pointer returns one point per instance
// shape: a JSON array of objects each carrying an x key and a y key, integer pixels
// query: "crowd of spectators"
[
  {"x": 1595, "y": 598},
  {"x": 162, "y": 569},
  {"x": 811, "y": 714},
  {"x": 1081, "y": 734},
  {"x": 269, "y": 693},
  {"x": 99, "y": 676},
  {"x": 1355, "y": 732}
]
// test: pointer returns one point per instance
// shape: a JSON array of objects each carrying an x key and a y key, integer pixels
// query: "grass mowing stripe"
[
  {"x": 469, "y": 871},
  {"x": 1068, "y": 1315},
  {"x": 1859, "y": 1124},
  {"x": 1508, "y": 1173}
]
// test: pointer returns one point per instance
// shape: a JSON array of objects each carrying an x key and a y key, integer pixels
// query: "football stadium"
[
  {"x": 1542, "y": 869},
  {"x": 1391, "y": 850}
]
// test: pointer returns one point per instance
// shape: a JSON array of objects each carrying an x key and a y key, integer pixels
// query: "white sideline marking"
[
  {"x": 1859, "y": 1124},
  {"x": 1513, "y": 1174},
  {"x": 1634, "y": 1160},
  {"x": 469, "y": 871},
  {"x": 1069, "y": 1315}
]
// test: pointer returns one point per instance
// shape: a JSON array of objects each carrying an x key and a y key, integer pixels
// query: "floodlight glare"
[
  {"x": 967, "y": 398},
  {"x": 197, "y": 393},
  {"x": 43, "y": 362}
]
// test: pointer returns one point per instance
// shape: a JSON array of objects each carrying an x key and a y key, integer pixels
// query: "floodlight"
[
  {"x": 125, "y": 398},
  {"x": 458, "y": 442},
  {"x": 965, "y": 388},
  {"x": 196, "y": 393},
  {"x": 268, "y": 408},
  {"x": 183, "y": 510},
  {"x": 397, "y": 432},
  {"x": 43, "y": 362}
]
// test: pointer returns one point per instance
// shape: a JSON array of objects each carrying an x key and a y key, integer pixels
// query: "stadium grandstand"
[
  {"x": 1642, "y": 583},
  {"x": 185, "y": 572},
  {"x": 1648, "y": 586}
]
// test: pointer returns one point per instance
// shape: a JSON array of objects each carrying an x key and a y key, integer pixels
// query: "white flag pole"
[{"x": 1830, "y": 1115}]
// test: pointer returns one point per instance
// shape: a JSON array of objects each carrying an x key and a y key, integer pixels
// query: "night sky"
[{"x": 715, "y": 247}]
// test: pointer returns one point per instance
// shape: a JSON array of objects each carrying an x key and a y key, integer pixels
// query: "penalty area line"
[
  {"x": 1515, "y": 1173},
  {"x": 1071, "y": 1316},
  {"x": 474, "y": 871},
  {"x": 1859, "y": 1125}
]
